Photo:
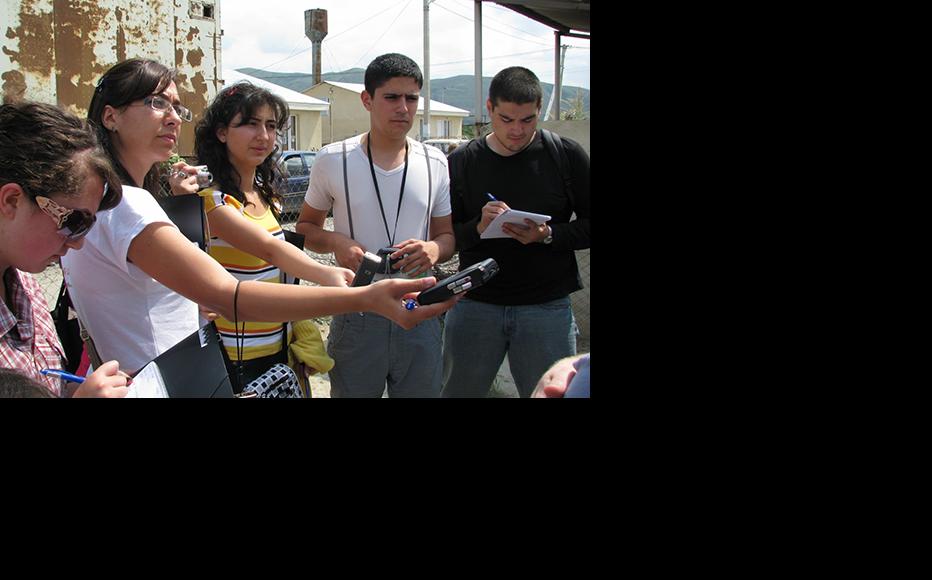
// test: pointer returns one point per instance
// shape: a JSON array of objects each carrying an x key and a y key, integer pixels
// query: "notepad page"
[
  {"x": 511, "y": 216},
  {"x": 148, "y": 384}
]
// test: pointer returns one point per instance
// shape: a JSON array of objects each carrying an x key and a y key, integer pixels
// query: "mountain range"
[{"x": 458, "y": 91}]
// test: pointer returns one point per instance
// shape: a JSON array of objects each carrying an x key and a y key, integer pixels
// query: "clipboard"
[{"x": 193, "y": 368}]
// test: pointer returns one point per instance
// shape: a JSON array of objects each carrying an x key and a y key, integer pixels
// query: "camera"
[
  {"x": 469, "y": 279},
  {"x": 204, "y": 176},
  {"x": 388, "y": 264},
  {"x": 373, "y": 264}
]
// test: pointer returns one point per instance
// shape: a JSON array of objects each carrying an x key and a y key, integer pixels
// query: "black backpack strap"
[
  {"x": 349, "y": 210},
  {"x": 553, "y": 143}
]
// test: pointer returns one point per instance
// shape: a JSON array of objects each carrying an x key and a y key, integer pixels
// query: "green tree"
[{"x": 573, "y": 109}]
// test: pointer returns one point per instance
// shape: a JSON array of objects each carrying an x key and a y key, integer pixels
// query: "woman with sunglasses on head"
[
  {"x": 53, "y": 179},
  {"x": 237, "y": 139},
  {"x": 138, "y": 281}
]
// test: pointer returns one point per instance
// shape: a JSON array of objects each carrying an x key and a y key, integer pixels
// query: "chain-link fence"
[{"x": 50, "y": 280}]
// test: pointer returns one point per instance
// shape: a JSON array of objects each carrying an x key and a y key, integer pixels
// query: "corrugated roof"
[
  {"x": 294, "y": 99},
  {"x": 435, "y": 106},
  {"x": 562, "y": 15}
]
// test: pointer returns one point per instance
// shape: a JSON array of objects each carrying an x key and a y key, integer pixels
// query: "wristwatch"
[{"x": 549, "y": 237}]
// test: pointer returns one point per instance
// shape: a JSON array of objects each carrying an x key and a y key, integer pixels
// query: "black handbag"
[{"x": 68, "y": 329}]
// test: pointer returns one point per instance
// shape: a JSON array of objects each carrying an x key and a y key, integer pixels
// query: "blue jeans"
[
  {"x": 476, "y": 337},
  {"x": 371, "y": 353}
]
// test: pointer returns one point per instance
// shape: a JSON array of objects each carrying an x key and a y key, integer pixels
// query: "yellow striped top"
[{"x": 260, "y": 338}]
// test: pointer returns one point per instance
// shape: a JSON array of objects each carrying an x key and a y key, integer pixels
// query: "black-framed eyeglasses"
[
  {"x": 161, "y": 104},
  {"x": 72, "y": 223}
]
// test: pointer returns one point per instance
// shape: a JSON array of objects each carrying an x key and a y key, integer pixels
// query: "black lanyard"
[{"x": 401, "y": 194}]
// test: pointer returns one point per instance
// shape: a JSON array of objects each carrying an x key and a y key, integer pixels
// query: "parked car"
[
  {"x": 296, "y": 170},
  {"x": 446, "y": 145}
]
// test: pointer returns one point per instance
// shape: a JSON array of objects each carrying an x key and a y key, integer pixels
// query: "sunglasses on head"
[{"x": 72, "y": 223}]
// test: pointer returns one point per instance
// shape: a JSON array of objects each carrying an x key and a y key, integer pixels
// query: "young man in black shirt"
[{"x": 525, "y": 310}]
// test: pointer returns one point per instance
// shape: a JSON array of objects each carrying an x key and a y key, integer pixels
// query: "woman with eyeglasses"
[
  {"x": 137, "y": 283},
  {"x": 53, "y": 179}
]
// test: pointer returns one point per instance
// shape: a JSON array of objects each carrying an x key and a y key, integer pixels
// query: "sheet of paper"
[
  {"x": 148, "y": 384},
  {"x": 511, "y": 216}
]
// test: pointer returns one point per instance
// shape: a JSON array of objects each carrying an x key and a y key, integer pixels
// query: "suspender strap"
[
  {"x": 349, "y": 210},
  {"x": 430, "y": 188}
]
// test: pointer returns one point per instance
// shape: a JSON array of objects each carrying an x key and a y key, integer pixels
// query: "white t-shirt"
[
  {"x": 326, "y": 190},
  {"x": 131, "y": 317}
]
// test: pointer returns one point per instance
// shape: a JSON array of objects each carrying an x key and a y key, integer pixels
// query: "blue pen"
[
  {"x": 67, "y": 376},
  {"x": 492, "y": 197}
]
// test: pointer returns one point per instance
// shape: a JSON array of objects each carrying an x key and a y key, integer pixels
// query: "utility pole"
[
  {"x": 553, "y": 107},
  {"x": 331, "y": 114},
  {"x": 426, "y": 133},
  {"x": 477, "y": 20}
]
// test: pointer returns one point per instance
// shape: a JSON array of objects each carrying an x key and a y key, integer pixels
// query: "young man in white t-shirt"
[{"x": 386, "y": 190}]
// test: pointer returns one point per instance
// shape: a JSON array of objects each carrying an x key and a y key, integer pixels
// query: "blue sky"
[{"x": 360, "y": 30}]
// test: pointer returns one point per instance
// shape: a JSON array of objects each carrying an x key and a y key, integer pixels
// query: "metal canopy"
[{"x": 561, "y": 15}]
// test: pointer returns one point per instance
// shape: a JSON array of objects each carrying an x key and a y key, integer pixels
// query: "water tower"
[{"x": 315, "y": 28}]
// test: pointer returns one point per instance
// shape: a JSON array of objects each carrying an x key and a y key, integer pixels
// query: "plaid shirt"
[{"x": 28, "y": 341}]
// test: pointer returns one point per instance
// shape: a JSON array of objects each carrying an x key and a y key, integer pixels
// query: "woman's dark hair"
[
  {"x": 16, "y": 385},
  {"x": 515, "y": 84},
  {"x": 242, "y": 98},
  {"x": 48, "y": 151},
  {"x": 125, "y": 82}
]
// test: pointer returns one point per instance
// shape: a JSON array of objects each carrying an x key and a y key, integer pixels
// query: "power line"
[
  {"x": 484, "y": 26},
  {"x": 363, "y": 22},
  {"x": 485, "y": 58},
  {"x": 379, "y": 13},
  {"x": 503, "y": 23},
  {"x": 384, "y": 33}
]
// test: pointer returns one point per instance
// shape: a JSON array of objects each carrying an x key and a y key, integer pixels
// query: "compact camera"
[
  {"x": 204, "y": 176},
  {"x": 388, "y": 265},
  {"x": 373, "y": 264}
]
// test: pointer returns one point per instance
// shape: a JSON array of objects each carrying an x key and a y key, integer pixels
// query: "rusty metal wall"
[{"x": 54, "y": 51}]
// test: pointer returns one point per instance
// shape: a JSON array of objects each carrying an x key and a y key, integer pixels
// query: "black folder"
[
  {"x": 195, "y": 367},
  {"x": 187, "y": 212}
]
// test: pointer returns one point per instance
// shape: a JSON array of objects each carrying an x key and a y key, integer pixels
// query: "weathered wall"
[{"x": 55, "y": 50}]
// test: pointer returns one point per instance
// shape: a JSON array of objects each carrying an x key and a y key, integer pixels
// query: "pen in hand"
[
  {"x": 492, "y": 197},
  {"x": 64, "y": 375}
]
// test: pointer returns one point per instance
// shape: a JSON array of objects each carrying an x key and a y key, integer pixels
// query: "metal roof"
[
  {"x": 562, "y": 15},
  {"x": 295, "y": 100}
]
